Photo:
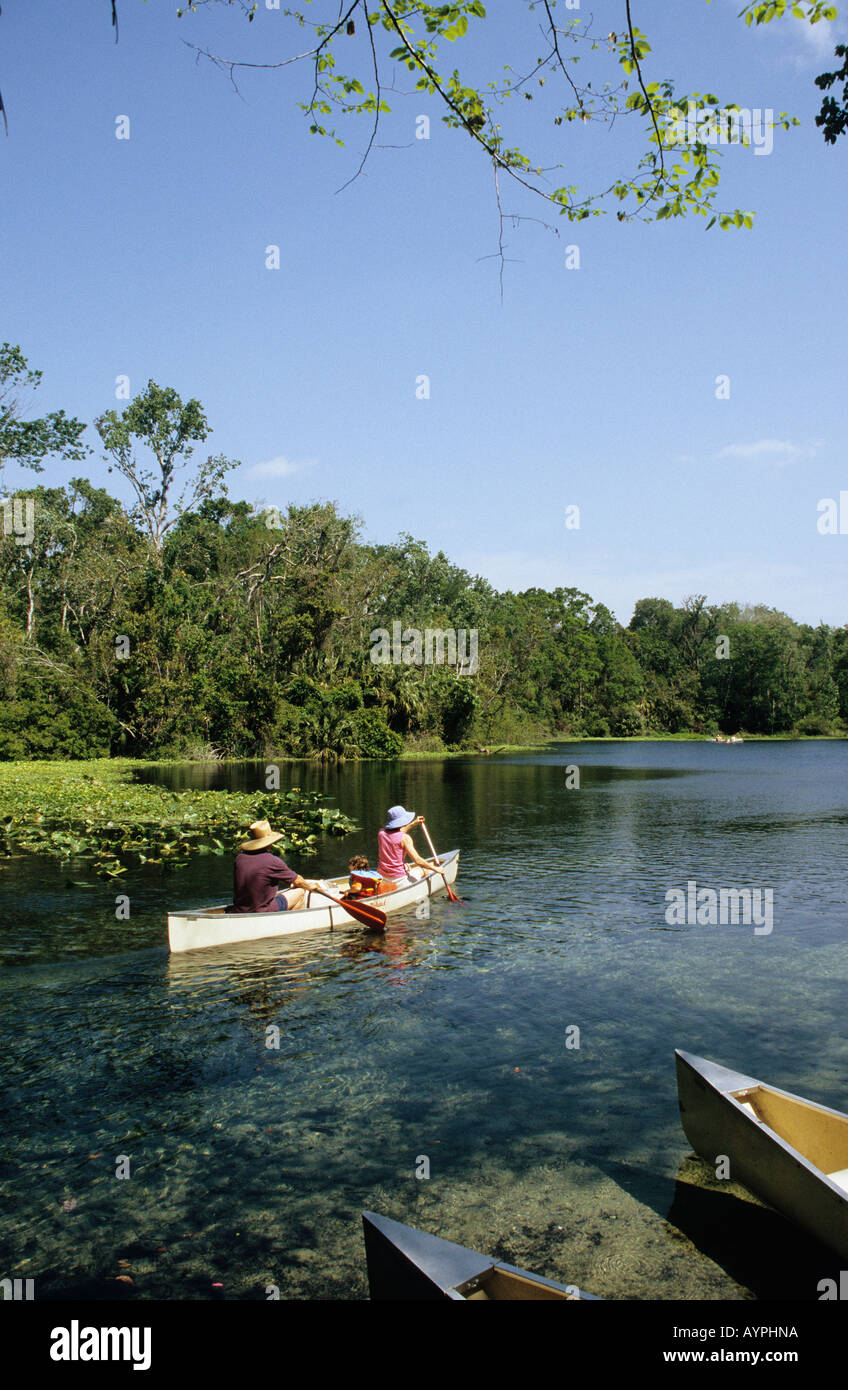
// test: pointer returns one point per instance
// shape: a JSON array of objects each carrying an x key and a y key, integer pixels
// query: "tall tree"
[{"x": 169, "y": 428}]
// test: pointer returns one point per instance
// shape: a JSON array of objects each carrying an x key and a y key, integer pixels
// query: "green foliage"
[
  {"x": 169, "y": 428},
  {"x": 578, "y": 78},
  {"x": 30, "y": 442},
  {"x": 817, "y": 726},
  {"x": 627, "y": 721},
  {"x": 373, "y": 737},
  {"x": 49, "y": 717},
  {"x": 95, "y": 812}
]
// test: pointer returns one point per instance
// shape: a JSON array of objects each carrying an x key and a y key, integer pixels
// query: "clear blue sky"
[{"x": 593, "y": 387}]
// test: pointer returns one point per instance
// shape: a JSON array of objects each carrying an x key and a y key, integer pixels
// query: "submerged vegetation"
[{"x": 96, "y": 812}]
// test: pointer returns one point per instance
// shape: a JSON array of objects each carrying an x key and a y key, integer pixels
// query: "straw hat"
[{"x": 261, "y": 835}]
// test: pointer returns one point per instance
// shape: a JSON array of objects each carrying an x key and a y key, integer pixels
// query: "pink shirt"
[{"x": 391, "y": 863}]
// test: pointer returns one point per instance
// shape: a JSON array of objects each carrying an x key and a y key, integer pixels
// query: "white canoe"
[
  {"x": 789, "y": 1151},
  {"x": 215, "y": 926}
]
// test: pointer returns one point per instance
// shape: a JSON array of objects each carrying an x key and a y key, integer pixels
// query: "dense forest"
[{"x": 198, "y": 627}]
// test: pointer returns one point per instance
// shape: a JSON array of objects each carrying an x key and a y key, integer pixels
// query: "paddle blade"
[{"x": 368, "y": 916}]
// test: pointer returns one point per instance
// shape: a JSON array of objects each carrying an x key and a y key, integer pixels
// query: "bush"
[
  {"x": 49, "y": 718},
  {"x": 286, "y": 734},
  {"x": 817, "y": 724},
  {"x": 458, "y": 707},
  {"x": 510, "y": 726},
  {"x": 627, "y": 722},
  {"x": 423, "y": 743},
  {"x": 372, "y": 735},
  {"x": 347, "y": 697}
]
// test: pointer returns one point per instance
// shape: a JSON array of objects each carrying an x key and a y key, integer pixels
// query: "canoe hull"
[
  {"x": 716, "y": 1122},
  {"x": 202, "y": 930},
  {"x": 405, "y": 1265}
]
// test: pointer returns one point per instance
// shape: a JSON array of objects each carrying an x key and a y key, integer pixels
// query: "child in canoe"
[{"x": 364, "y": 882}]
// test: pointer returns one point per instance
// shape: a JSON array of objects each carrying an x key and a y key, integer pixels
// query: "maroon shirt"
[{"x": 257, "y": 874}]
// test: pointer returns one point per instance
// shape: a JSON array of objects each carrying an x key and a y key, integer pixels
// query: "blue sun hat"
[{"x": 398, "y": 816}]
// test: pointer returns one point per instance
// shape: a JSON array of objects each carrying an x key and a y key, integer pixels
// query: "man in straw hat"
[{"x": 257, "y": 874}]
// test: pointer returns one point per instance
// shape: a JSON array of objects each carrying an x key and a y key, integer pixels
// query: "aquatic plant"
[{"x": 95, "y": 811}]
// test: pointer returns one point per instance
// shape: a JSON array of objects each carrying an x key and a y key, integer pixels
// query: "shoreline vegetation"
[
  {"x": 236, "y": 638},
  {"x": 555, "y": 739},
  {"x": 191, "y": 626}
]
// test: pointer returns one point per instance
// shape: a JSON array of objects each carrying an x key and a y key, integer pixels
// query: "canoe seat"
[{"x": 840, "y": 1178}]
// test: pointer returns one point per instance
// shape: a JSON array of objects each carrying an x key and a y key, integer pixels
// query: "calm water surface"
[{"x": 445, "y": 1041}]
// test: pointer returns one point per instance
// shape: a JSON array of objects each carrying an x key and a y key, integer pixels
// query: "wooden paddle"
[
  {"x": 451, "y": 894},
  {"x": 368, "y": 916}
]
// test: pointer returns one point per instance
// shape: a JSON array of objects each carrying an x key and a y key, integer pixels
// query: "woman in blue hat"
[{"x": 395, "y": 843}]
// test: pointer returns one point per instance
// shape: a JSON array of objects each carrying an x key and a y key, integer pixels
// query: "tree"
[
  {"x": 840, "y": 669},
  {"x": 159, "y": 420},
  {"x": 31, "y": 570},
  {"x": 30, "y": 442},
  {"x": 612, "y": 83},
  {"x": 761, "y": 684}
]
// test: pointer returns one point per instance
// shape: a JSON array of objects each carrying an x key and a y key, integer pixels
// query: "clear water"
[{"x": 444, "y": 1041}]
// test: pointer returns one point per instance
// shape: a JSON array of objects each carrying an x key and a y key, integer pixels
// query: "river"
[{"x": 518, "y": 1047}]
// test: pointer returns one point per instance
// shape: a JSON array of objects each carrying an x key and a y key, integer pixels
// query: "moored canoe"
[
  {"x": 214, "y": 926},
  {"x": 790, "y": 1151},
  {"x": 408, "y": 1265}
]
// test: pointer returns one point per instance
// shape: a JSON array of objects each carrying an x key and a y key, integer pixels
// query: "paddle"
[
  {"x": 451, "y": 894},
  {"x": 368, "y": 916}
]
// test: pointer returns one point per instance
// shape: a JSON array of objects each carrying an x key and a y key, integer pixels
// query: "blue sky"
[{"x": 592, "y": 386}]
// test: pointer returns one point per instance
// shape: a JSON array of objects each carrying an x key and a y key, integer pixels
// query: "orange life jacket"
[{"x": 364, "y": 882}]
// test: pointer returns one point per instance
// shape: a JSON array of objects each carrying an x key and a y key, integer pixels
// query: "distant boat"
[
  {"x": 216, "y": 926},
  {"x": 406, "y": 1265},
  {"x": 790, "y": 1151}
]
